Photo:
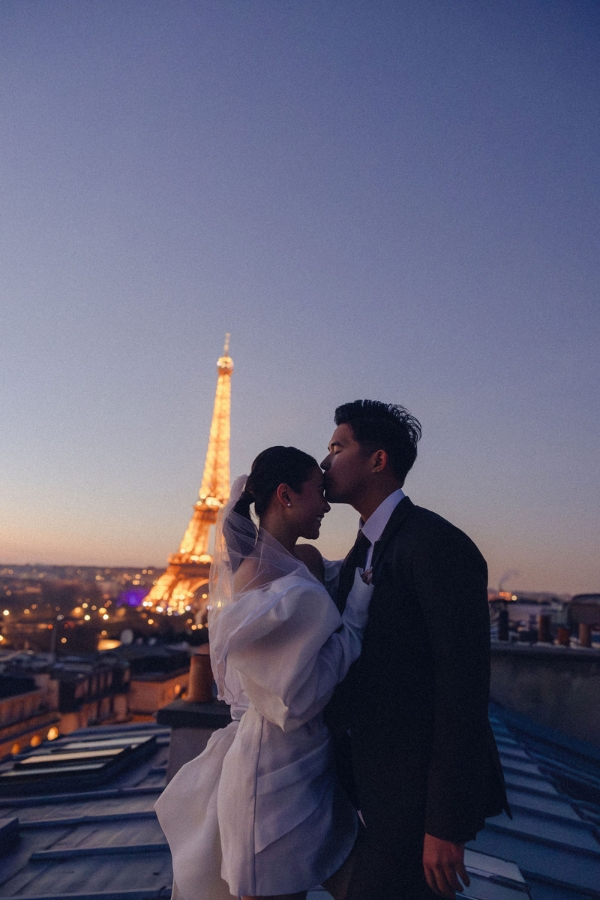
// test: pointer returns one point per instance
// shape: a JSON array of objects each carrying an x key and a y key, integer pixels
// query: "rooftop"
[{"x": 86, "y": 830}]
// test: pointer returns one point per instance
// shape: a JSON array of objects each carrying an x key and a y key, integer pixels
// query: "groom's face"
[{"x": 346, "y": 466}]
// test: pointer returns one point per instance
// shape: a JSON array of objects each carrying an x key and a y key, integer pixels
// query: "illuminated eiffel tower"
[{"x": 184, "y": 585}]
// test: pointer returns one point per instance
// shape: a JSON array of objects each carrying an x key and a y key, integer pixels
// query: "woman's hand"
[{"x": 356, "y": 613}]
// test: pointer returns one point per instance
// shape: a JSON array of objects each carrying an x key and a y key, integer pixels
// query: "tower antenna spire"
[{"x": 187, "y": 573}]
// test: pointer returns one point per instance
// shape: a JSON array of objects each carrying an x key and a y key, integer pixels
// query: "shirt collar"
[{"x": 374, "y": 526}]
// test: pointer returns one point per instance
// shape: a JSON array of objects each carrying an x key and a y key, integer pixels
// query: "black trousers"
[
  {"x": 381, "y": 873},
  {"x": 389, "y": 851}
]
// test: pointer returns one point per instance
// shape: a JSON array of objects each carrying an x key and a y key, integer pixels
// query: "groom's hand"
[{"x": 443, "y": 862}]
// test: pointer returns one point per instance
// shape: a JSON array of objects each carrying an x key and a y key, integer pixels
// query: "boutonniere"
[{"x": 367, "y": 576}]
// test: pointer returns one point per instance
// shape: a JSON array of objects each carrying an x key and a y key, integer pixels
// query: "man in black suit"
[{"x": 425, "y": 766}]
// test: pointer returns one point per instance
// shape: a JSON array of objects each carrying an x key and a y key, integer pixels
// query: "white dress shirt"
[{"x": 374, "y": 527}]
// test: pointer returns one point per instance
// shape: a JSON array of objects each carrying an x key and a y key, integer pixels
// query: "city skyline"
[{"x": 386, "y": 200}]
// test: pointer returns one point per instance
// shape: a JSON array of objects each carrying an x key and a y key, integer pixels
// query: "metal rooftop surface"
[
  {"x": 553, "y": 785},
  {"x": 87, "y": 839},
  {"x": 101, "y": 840}
]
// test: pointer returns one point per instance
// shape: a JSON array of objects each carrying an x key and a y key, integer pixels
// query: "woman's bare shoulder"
[{"x": 312, "y": 559}]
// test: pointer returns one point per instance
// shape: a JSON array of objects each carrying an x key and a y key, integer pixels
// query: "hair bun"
[{"x": 242, "y": 507}]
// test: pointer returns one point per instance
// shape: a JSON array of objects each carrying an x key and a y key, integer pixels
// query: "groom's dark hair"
[{"x": 383, "y": 426}]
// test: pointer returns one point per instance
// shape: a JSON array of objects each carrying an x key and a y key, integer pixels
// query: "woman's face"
[{"x": 310, "y": 505}]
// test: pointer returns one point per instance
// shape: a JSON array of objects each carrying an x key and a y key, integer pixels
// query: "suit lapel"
[{"x": 396, "y": 519}]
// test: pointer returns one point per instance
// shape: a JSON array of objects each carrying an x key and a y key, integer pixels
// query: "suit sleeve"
[{"x": 450, "y": 579}]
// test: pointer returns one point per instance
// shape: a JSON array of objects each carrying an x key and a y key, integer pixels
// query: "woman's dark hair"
[
  {"x": 383, "y": 426},
  {"x": 272, "y": 467}
]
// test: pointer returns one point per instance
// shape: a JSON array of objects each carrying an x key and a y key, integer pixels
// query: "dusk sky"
[{"x": 395, "y": 200}]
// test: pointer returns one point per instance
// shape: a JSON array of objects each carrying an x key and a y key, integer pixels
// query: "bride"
[{"x": 260, "y": 814}]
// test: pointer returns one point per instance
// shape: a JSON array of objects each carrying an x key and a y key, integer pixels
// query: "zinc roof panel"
[
  {"x": 516, "y": 752},
  {"x": 129, "y": 804},
  {"x": 522, "y": 767},
  {"x": 542, "y": 804},
  {"x": 492, "y": 866},
  {"x": 484, "y": 889},
  {"x": 88, "y": 875},
  {"x": 15, "y": 860},
  {"x": 575, "y": 834},
  {"x": 541, "y": 785},
  {"x": 153, "y": 779},
  {"x": 540, "y": 891},
  {"x": 562, "y": 866},
  {"x": 113, "y": 834}
]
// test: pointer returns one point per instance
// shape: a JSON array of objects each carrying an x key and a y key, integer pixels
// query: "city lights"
[{"x": 169, "y": 601}]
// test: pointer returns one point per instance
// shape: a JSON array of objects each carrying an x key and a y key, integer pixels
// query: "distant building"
[
  {"x": 44, "y": 697},
  {"x": 158, "y": 675},
  {"x": 585, "y": 609},
  {"x": 25, "y": 719}
]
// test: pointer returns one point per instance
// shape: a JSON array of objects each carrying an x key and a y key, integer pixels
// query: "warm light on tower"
[{"x": 188, "y": 568}]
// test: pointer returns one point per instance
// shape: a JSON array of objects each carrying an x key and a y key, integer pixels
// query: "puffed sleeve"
[{"x": 291, "y": 657}]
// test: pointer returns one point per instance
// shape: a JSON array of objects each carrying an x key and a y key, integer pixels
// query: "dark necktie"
[{"x": 355, "y": 559}]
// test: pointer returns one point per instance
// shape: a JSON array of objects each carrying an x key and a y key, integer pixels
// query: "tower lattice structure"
[{"x": 184, "y": 585}]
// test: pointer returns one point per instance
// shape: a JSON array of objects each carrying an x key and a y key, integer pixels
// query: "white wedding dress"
[{"x": 260, "y": 811}]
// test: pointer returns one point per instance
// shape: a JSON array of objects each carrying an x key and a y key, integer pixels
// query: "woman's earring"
[{"x": 289, "y": 504}]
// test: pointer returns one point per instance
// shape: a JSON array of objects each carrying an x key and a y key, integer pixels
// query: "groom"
[{"x": 425, "y": 765}]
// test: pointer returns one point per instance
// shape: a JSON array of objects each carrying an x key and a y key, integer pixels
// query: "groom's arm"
[
  {"x": 442, "y": 862},
  {"x": 450, "y": 578},
  {"x": 451, "y": 584}
]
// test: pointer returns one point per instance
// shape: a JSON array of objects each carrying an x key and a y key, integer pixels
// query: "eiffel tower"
[{"x": 184, "y": 585}]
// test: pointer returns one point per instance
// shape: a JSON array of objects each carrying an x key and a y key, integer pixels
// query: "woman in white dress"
[{"x": 260, "y": 814}]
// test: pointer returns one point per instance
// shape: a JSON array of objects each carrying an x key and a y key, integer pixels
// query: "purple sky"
[{"x": 396, "y": 200}]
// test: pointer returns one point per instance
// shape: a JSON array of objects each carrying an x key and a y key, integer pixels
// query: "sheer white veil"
[{"x": 247, "y": 564}]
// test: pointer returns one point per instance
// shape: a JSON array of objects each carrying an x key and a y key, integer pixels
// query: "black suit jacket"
[{"x": 416, "y": 701}]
